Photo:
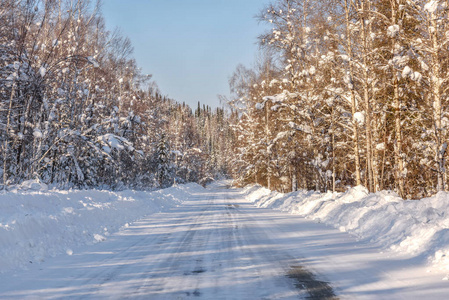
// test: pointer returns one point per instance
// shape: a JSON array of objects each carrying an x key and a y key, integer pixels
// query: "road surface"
[{"x": 216, "y": 245}]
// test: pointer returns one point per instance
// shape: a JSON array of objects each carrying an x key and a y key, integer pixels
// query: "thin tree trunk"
[
  {"x": 333, "y": 150},
  {"x": 7, "y": 129},
  {"x": 398, "y": 132},
  {"x": 366, "y": 96},
  {"x": 376, "y": 159},
  {"x": 440, "y": 147},
  {"x": 355, "y": 137},
  {"x": 267, "y": 135},
  {"x": 294, "y": 183},
  {"x": 397, "y": 115}
]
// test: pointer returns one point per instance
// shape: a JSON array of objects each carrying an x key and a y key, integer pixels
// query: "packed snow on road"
[{"x": 221, "y": 243}]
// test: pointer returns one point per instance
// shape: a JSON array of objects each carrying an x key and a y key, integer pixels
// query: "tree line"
[
  {"x": 76, "y": 111},
  {"x": 346, "y": 92}
]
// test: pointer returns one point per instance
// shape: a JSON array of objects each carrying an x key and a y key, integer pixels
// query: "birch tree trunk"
[
  {"x": 365, "y": 36},
  {"x": 435, "y": 83},
  {"x": 399, "y": 159},
  {"x": 355, "y": 137},
  {"x": 7, "y": 131},
  {"x": 334, "y": 169},
  {"x": 267, "y": 139}
]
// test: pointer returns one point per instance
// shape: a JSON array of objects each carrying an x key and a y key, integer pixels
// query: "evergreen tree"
[{"x": 163, "y": 162}]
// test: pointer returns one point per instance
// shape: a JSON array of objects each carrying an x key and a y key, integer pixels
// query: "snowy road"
[{"x": 218, "y": 246}]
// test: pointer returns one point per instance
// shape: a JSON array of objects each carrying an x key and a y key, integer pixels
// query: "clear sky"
[{"x": 191, "y": 47}]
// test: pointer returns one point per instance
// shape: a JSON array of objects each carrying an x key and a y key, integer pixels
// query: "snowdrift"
[
  {"x": 36, "y": 223},
  {"x": 418, "y": 229}
]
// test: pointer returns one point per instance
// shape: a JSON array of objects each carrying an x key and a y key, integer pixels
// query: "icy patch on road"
[
  {"x": 36, "y": 223},
  {"x": 418, "y": 229}
]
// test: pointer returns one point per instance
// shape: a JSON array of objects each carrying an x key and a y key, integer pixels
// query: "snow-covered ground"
[
  {"x": 36, "y": 223},
  {"x": 189, "y": 242},
  {"x": 418, "y": 230}
]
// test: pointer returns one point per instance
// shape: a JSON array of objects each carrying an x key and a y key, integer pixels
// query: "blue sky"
[{"x": 191, "y": 47}]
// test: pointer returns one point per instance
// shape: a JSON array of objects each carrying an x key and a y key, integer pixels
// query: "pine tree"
[{"x": 163, "y": 162}]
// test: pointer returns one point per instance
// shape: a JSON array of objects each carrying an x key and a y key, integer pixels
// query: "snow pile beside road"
[
  {"x": 416, "y": 228},
  {"x": 36, "y": 223}
]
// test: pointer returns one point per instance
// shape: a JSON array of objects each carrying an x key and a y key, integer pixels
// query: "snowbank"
[
  {"x": 418, "y": 229},
  {"x": 36, "y": 223}
]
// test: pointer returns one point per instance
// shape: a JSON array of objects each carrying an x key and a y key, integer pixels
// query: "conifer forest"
[{"x": 343, "y": 93}]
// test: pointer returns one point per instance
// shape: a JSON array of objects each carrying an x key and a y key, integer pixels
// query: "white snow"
[
  {"x": 217, "y": 245},
  {"x": 280, "y": 135},
  {"x": 417, "y": 229},
  {"x": 431, "y": 6},
  {"x": 112, "y": 141},
  {"x": 42, "y": 71},
  {"x": 37, "y": 133},
  {"x": 312, "y": 70},
  {"x": 273, "y": 82},
  {"x": 30, "y": 185},
  {"x": 345, "y": 57},
  {"x": 260, "y": 106},
  {"x": 406, "y": 72},
  {"x": 36, "y": 223},
  {"x": 359, "y": 117},
  {"x": 393, "y": 30},
  {"x": 416, "y": 76},
  {"x": 380, "y": 147},
  {"x": 203, "y": 238}
]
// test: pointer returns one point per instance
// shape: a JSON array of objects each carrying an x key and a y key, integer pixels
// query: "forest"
[
  {"x": 77, "y": 112},
  {"x": 343, "y": 93},
  {"x": 347, "y": 92}
]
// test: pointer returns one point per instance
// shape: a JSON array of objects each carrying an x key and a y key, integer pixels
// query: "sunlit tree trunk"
[
  {"x": 365, "y": 36},
  {"x": 267, "y": 139},
  {"x": 355, "y": 136},
  {"x": 399, "y": 159},
  {"x": 435, "y": 83}
]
